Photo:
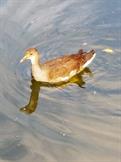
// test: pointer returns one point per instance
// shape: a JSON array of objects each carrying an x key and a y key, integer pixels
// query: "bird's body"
[{"x": 60, "y": 69}]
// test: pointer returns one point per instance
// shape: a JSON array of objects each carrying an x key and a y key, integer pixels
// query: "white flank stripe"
[{"x": 89, "y": 61}]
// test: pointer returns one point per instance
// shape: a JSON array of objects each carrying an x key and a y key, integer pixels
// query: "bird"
[{"x": 60, "y": 69}]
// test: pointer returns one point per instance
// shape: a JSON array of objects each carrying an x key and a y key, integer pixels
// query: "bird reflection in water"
[{"x": 35, "y": 87}]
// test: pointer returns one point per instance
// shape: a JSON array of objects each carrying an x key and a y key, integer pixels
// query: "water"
[{"x": 70, "y": 123}]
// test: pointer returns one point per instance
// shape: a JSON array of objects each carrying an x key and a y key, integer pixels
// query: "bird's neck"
[{"x": 35, "y": 60}]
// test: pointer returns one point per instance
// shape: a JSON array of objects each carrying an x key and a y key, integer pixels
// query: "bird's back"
[{"x": 64, "y": 67}]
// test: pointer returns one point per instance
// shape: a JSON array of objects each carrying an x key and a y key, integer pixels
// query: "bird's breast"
[{"x": 39, "y": 74}]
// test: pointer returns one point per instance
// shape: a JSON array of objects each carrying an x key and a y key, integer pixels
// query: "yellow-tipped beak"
[{"x": 23, "y": 59}]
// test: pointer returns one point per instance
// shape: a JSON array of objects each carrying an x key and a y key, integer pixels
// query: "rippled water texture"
[{"x": 70, "y": 124}]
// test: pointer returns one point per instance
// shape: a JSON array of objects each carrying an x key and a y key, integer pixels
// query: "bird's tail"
[{"x": 88, "y": 57}]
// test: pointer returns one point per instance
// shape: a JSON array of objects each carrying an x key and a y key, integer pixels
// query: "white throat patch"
[{"x": 32, "y": 58}]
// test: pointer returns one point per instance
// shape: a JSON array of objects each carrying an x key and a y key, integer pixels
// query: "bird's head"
[{"x": 30, "y": 54}]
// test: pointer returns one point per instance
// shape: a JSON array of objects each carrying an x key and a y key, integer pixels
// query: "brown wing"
[
  {"x": 57, "y": 61},
  {"x": 61, "y": 67}
]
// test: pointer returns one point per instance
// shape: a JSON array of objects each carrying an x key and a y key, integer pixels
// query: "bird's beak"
[{"x": 23, "y": 59}]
